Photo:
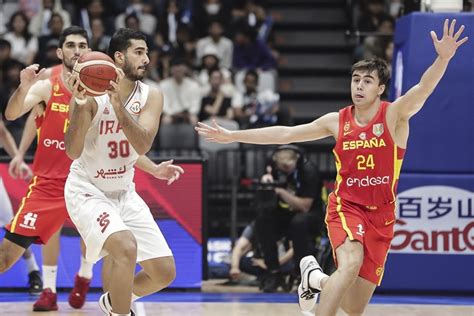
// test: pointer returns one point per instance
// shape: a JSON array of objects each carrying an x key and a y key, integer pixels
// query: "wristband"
[{"x": 80, "y": 101}]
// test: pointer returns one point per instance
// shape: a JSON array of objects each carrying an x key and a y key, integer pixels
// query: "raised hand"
[
  {"x": 30, "y": 75},
  {"x": 114, "y": 92},
  {"x": 446, "y": 47},
  {"x": 215, "y": 133},
  {"x": 167, "y": 171},
  {"x": 74, "y": 85}
]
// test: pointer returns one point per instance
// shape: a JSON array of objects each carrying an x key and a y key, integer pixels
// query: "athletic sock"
[
  {"x": 85, "y": 270},
  {"x": 315, "y": 277},
  {"x": 31, "y": 264},
  {"x": 115, "y": 314},
  {"x": 49, "y": 277}
]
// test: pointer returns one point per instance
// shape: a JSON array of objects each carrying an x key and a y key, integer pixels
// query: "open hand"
[
  {"x": 446, "y": 47},
  {"x": 167, "y": 171},
  {"x": 18, "y": 169},
  {"x": 30, "y": 75},
  {"x": 215, "y": 133}
]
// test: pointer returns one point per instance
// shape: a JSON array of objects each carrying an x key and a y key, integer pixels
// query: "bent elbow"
[{"x": 10, "y": 116}]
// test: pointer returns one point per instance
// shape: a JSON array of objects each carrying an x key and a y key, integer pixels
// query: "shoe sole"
[{"x": 40, "y": 309}]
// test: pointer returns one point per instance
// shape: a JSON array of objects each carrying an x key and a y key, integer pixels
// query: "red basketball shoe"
[
  {"x": 77, "y": 298},
  {"x": 46, "y": 302}
]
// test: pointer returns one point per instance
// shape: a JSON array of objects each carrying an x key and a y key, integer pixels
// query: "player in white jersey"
[{"x": 105, "y": 137}]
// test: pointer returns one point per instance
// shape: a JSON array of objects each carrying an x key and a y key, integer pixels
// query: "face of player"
[
  {"x": 136, "y": 60},
  {"x": 74, "y": 47},
  {"x": 365, "y": 88}
]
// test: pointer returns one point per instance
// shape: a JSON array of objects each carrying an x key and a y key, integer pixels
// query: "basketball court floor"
[{"x": 237, "y": 304}]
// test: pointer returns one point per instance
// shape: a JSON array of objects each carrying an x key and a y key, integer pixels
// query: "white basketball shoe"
[{"x": 307, "y": 296}]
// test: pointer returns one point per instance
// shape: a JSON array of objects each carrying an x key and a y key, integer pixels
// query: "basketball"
[{"x": 95, "y": 71}]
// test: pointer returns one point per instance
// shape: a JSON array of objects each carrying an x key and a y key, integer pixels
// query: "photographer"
[{"x": 295, "y": 212}]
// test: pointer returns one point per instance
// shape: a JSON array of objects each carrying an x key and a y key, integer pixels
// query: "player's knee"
[
  {"x": 123, "y": 247},
  {"x": 351, "y": 266},
  {"x": 164, "y": 273}
]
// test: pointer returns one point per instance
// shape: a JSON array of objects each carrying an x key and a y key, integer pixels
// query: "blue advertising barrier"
[{"x": 442, "y": 133}]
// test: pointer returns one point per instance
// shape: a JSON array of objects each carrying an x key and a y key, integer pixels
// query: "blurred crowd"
[{"x": 211, "y": 58}]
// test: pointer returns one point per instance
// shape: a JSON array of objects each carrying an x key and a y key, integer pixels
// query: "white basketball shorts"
[{"x": 99, "y": 214}]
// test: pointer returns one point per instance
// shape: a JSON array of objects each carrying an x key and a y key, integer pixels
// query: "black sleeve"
[{"x": 310, "y": 184}]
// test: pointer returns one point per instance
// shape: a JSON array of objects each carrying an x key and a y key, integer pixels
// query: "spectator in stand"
[
  {"x": 39, "y": 24},
  {"x": 5, "y": 55},
  {"x": 252, "y": 13},
  {"x": 373, "y": 44},
  {"x": 95, "y": 10},
  {"x": 55, "y": 28},
  {"x": 143, "y": 12},
  {"x": 23, "y": 45},
  {"x": 216, "y": 103},
  {"x": 258, "y": 108},
  {"x": 99, "y": 41},
  {"x": 253, "y": 53},
  {"x": 181, "y": 95},
  {"x": 372, "y": 15},
  {"x": 207, "y": 11},
  {"x": 215, "y": 38},
  {"x": 210, "y": 61},
  {"x": 10, "y": 82},
  {"x": 170, "y": 20}
]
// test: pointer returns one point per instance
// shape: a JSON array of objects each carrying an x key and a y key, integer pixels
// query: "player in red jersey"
[
  {"x": 42, "y": 211},
  {"x": 371, "y": 137}
]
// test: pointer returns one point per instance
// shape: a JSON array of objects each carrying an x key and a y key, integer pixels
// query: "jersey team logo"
[
  {"x": 347, "y": 126},
  {"x": 104, "y": 221},
  {"x": 135, "y": 107},
  {"x": 106, "y": 111},
  {"x": 377, "y": 129},
  {"x": 56, "y": 89},
  {"x": 29, "y": 220},
  {"x": 363, "y": 136}
]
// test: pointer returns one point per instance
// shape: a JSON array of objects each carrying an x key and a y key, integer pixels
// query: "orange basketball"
[{"x": 95, "y": 70}]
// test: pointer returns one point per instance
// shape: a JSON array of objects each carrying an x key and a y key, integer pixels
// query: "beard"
[{"x": 130, "y": 72}]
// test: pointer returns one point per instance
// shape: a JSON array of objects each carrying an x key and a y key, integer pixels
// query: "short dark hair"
[
  {"x": 121, "y": 40},
  {"x": 72, "y": 30},
  {"x": 251, "y": 73},
  {"x": 5, "y": 44},
  {"x": 375, "y": 64}
]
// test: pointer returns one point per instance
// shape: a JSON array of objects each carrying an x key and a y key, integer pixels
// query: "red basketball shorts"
[
  {"x": 372, "y": 228},
  {"x": 42, "y": 210}
]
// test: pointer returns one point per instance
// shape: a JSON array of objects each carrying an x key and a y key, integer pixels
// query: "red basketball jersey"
[
  {"x": 368, "y": 161},
  {"x": 51, "y": 160},
  {"x": 56, "y": 70}
]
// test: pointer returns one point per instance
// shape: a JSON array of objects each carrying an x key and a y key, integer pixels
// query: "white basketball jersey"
[{"x": 108, "y": 158}]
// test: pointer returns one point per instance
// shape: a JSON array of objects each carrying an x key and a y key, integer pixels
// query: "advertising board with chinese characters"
[{"x": 433, "y": 245}]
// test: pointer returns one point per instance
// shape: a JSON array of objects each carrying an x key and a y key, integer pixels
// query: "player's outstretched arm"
[
  {"x": 142, "y": 133},
  {"x": 410, "y": 103},
  {"x": 81, "y": 112},
  {"x": 322, "y": 127},
  {"x": 30, "y": 92}
]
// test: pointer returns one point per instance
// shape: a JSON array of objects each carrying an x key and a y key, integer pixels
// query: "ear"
[
  {"x": 119, "y": 58},
  {"x": 381, "y": 90},
  {"x": 59, "y": 53}
]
